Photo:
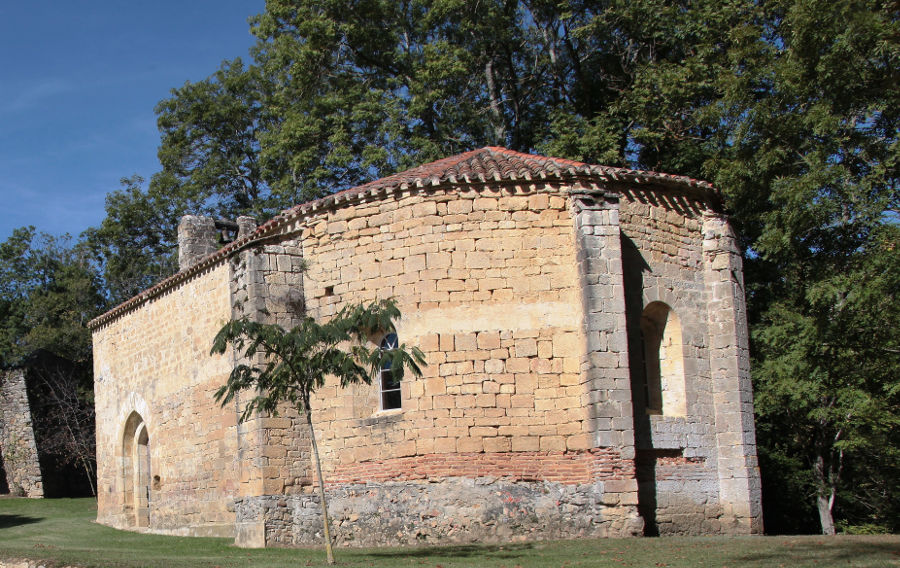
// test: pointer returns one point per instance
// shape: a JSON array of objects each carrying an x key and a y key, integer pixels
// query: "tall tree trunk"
[
  {"x": 329, "y": 553},
  {"x": 824, "y": 495}
]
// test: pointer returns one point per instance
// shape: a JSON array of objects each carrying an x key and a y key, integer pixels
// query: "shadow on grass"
[
  {"x": 9, "y": 521},
  {"x": 506, "y": 551},
  {"x": 835, "y": 551}
]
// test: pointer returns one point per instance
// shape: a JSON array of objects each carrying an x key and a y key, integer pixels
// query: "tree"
[
  {"x": 828, "y": 394},
  {"x": 809, "y": 160},
  {"x": 62, "y": 406},
  {"x": 791, "y": 107},
  {"x": 340, "y": 92},
  {"x": 287, "y": 366},
  {"x": 209, "y": 147},
  {"x": 49, "y": 290}
]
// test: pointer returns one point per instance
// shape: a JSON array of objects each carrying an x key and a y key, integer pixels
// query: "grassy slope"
[{"x": 63, "y": 531}]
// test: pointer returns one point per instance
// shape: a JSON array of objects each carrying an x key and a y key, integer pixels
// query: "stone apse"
[{"x": 586, "y": 341}]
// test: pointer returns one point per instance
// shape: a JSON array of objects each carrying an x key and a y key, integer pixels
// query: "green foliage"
[
  {"x": 294, "y": 363},
  {"x": 209, "y": 149},
  {"x": 136, "y": 242},
  {"x": 809, "y": 164},
  {"x": 48, "y": 292},
  {"x": 341, "y": 92}
]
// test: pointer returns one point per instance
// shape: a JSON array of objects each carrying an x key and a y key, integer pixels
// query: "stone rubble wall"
[
  {"x": 155, "y": 361},
  {"x": 17, "y": 443},
  {"x": 452, "y": 510}
]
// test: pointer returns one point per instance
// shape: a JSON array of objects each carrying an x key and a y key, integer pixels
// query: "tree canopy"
[{"x": 48, "y": 292}]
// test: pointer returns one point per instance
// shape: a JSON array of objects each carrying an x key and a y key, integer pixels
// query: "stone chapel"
[{"x": 587, "y": 365}]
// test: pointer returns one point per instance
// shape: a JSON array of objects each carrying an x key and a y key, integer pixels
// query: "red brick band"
[{"x": 573, "y": 467}]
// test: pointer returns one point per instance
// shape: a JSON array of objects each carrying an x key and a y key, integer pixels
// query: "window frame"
[{"x": 389, "y": 398}]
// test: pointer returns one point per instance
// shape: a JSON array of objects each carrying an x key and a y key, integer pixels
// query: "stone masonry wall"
[
  {"x": 486, "y": 280},
  {"x": 605, "y": 375},
  {"x": 154, "y": 361},
  {"x": 267, "y": 286},
  {"x": 677, "y": 458},
  {"x": 488, "y": 284},
  {"x": 526, "y": 299},
  {"x": 740, "y": 492},
  {"x": 452, "y": 510},
  {"x": 17, "y": 443}
]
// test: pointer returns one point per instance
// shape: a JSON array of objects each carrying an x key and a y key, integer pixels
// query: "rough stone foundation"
[{"x": 461, "y": 511}]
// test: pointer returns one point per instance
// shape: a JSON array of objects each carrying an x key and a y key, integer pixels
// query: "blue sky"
[{"x": 78, "y": 85}]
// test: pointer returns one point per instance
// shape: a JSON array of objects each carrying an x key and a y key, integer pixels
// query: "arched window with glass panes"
[{"x": 388, "y": 383}]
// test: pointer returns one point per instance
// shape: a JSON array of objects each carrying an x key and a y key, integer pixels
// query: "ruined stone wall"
[
  {"x": 17, "y": 443},
  {"x": 152, "y": 367}
]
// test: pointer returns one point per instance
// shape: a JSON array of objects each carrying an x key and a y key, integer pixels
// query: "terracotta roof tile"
[{"x": 489, "y": 164}]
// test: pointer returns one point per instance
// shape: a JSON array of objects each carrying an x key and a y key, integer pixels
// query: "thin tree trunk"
[
  {"x": 496, "y": 112},
  {"x": 825, "y": 518},
  {"x": 90, "y": 475},
  {"x": 329, "y": 554},
  {"x": 824, "y": 496}
]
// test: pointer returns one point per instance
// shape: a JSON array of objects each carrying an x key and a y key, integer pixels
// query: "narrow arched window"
[
  {"x": 389, "y": 384},
  {"x": 664, "y": 386}
]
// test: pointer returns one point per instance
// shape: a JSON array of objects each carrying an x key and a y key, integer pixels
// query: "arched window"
[
  {"x": 664, "y": 385},
  {"x": 389, "y": 385}
]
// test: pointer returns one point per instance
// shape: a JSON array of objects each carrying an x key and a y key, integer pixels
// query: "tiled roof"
[{"x": 485, "y": 165}]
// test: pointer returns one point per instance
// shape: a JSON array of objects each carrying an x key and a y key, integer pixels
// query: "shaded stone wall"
[
  {"x": 680, "y": 456},
  {"x": 152, "y": 365},
  {"x": 677, "y": 459},
  {"x": 740, "y": 491},
  {"x": 17, "y": 443}
]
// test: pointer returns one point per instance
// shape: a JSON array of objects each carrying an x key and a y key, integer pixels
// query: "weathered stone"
[{"x": 17, "y": 442}]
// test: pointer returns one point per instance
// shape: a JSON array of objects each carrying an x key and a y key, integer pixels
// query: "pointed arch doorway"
[{"x": 136, "y": 471}]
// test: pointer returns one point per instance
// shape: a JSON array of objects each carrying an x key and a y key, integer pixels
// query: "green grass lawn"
[{"x": 62, "y": 531}]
